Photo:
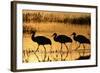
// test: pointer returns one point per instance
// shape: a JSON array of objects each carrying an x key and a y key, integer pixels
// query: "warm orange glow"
[{"x": 47, "y": 29}]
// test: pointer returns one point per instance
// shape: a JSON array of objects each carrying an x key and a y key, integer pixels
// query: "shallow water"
[{"x": 53, "y": 53}]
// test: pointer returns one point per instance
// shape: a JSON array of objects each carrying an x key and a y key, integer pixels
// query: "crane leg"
[
  {"x": 37, "y": 57},
  {"x": 37, "y": 48},
  {"x": 66, "y": 52},
  {"x": 84, "y": 49},
  {"x": 44, "y": 53},
  {"x": 66, "y": 47},
  {"x": 77, "y": 47},
  {"x": 35, "y": 53},
  {"x": 61, "y": 52},
  {"x": 50, "y": 53}
]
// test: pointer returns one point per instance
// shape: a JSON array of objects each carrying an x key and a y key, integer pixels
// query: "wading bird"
[
  {"x": 41, "y": 40},
  {"x": 63, "y": 39},
  {"x": 81, "y": 39}
]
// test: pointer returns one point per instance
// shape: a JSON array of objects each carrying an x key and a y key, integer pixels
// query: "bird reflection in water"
[{"x": 56, "y": 36}]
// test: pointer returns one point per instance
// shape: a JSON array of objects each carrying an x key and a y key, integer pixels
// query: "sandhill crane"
[
  {"x": 63, "y": 39},
  {"x": 41, "y": 40},
  {"x": 81, "y": 39}
]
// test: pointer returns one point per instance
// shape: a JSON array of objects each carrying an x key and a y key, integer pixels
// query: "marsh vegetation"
[{"x": 45, "y": 23}]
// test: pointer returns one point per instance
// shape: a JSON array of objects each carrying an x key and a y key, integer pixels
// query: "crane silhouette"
[
  {"x": 81, "y": 39},
  {"x": 63, "y": 39},
  {"x": 41, "y": 40}
]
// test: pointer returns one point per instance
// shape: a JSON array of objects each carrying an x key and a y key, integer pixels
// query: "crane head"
[
  {"x": 54, "y": 34},
  {"x": 33, "y": 32},
  {"x": 73, "y": 33}
]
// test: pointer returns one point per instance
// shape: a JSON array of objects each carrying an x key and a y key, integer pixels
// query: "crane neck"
[
  {"x": 33, "y": 35},
  {"x": 74, "y": 37},
  {"x": 55, "y": 36}
]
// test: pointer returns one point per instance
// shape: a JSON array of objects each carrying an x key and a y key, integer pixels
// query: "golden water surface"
[{"x": 53, "y": 52}]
